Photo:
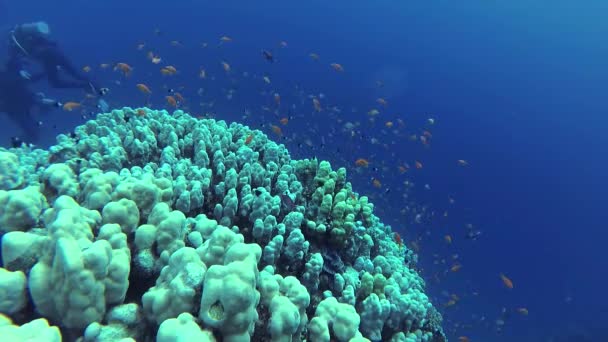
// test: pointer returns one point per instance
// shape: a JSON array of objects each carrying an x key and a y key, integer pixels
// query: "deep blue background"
[{"x": 517, "y": 88}]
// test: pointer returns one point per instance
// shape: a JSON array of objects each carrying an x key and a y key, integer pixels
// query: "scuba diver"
[
  {"x": 31, "y": 42},
  {"x": 20, "y": 104}
]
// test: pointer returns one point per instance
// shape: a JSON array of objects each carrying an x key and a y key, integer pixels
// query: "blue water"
[{"x": 516, "y": 88}]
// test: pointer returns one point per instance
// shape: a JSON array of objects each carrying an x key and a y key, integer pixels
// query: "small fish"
[
  {"x": 225, "y": 39},
  {"x": 277, "y": 99},
  {"x": 143, "y": 88},
  {"x": 381, "y": 101},
  {"x": 398, "y": 239},
  {"x": 430, "y": 121},
  {"x": 463, "y": 339},
  {"x": 522, "y": 311},
  {"x": 418, "y": 164},
  {"x": 362, "y": 162},
  {"x": 104, "y": 65},
  {"x": 168, "y": 71},
  {"x": 125, "y": 68},
  {"x": 462, "y": 162},
  {"x": 376, "y": 183},
  {"x": 202, "y": 74},
  {"x": 266, "y": 79},
  {"x": 226, "y": 66},
  {"x": 175, "y": 43},
  {"x": 373, "y": 112},
  {"x": 276, "y": 130},
  {"x": 283, "y": 43},
  {"x": 268, "y": 56},
  {"x": 284, "y": 121},
  {"x": 70, "y": 106},
  {"x": 402, "y": 169},
  {"x": 86, "y": 68},
  {"x": 388, "y": 124},
  {"x": 179, "y": 97},
  {"x": 316, "y": 104},
  {"x": 141, "y": 112},
  {"x": 448, "y": 239},
  {"x": 140, "y": 46},
  {"x": 506, "y": 281},
  {"x": 249, "y": 139},
  {"x": 337, "y": 67},
  {"x": 313, "y": 56},
  {"x": 455, "y": 267},
  {"x": 451, "y": 302},
  {"x": 171, "y": 101},
  {"x": 171, "y": 69},
  {"x": 153, "y": 58}
]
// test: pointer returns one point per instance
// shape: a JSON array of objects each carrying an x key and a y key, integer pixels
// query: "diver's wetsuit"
[
  {"x": 24, "y": 48},
  {"x": 18, "y": 102}
]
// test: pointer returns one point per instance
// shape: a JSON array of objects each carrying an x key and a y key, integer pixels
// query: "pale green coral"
[{"x": 183, "y": 195}]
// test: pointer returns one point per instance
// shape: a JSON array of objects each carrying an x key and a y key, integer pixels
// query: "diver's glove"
[
  {"x": 25, "y": 75},
  {"x": 103, "y": 106}
]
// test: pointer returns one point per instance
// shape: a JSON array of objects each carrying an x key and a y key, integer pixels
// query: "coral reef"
[{"x": 166, "y": 227}]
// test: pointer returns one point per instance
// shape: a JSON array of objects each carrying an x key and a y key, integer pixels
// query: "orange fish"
[
  {"x": 125, "y": 68},
  {"x": 455, "y": 267},
  {"x": 402, "y": 169},
  {"x": 506, "y": 281},
  {"x": 448, "y": 239},
  {"x": 166, "y": 72},
  {"x": 398, "y": 239},
  {"x": 70, "y": 106},
  {"x": 179, "y": 97},
  {"x": 284, "y": 121},
  {"x": 226, "y": 66},
  {"x": 418, "y": 164},
  {"x": 451, "y": 302},
  {"x": 462, "y": 162},
  {"x": 389, "y": 124},
  {"x": 316, "y": 104},
  {"x": 171, "y": 101},
  {"x": 143, "y": 88},
  {"x": 377, "y": 183},
  {"x": 249, "y": 139},
  {"x": 86, "y": 68},
  {"x": 463, "y": 339},
  {"x": 141, "y": 112},
  {"x": 277, "y": 130},
  {"x": 337, "y": 67},
  {"x": 424, "y": 140},
  {"x": 314, "y": 56},
  {"x": 362, "y": 162},
  {"x": 171, "y": 69}
]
